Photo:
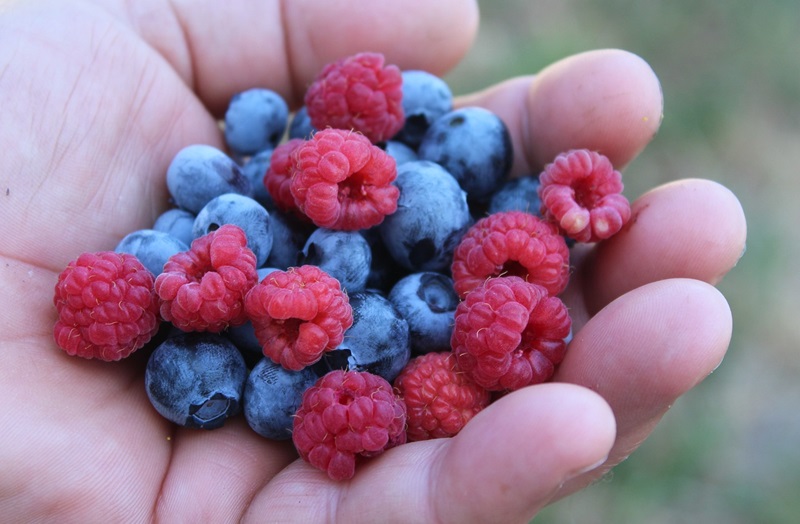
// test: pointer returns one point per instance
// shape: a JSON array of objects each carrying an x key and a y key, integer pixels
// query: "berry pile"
[{"x": 361, "y": 276}]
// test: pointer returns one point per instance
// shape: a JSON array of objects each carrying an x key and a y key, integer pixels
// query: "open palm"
[{"x": 98, "y": 96}]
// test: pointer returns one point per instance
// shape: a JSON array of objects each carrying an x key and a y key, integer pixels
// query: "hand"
[{"x": 97, "y": 98}]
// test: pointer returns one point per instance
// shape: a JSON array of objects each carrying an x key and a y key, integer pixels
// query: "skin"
[{"x": 97, "y": 98}]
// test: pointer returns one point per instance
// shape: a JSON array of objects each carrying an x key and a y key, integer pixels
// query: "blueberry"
[
  {"x": 384, "y": 271},
  {"x": 516, "y": 194},
  {"x": 474, "y": 146},
  {"x": 152, "y": 248},
  {"x": 428, "y": 302},
  {"x": 289, "y": 235},
  {"x": 272, "y": 395},
  {"x": 377, "y": 342},
  {"x": 199, "y": 173},
  {"x": 178, "y": 223},
  {"x": 196, "y": 380},
  {"x": 344, "y": 255},
  {"x": 255, "y": 120},
  {"x": 301, "y": 126},
  {"x": 432, "y": 215},
  {"x": 426, "y": 97},
  {"x": 399, "y": 151},
  {"x": 254, "y": 169},
  {"x": 241, "y": 211}
]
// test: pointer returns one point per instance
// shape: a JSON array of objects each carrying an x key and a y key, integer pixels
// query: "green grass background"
[{"x": 729, "y": 451}]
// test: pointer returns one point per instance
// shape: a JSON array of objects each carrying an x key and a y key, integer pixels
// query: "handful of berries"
[{"x": 372, "y": 276}]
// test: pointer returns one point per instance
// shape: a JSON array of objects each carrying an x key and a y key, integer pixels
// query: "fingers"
[
  {"x": 606, "y": 100},
  {"x": 237, "y": 459},
  {"x": 643, "y": 351},
  {"x": 689, "y": 228},
  {"x": 503, "y": 467},
  {"x": 283, "y": 45}
]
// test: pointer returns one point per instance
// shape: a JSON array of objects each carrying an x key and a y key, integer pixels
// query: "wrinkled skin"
[{"x": 97, "y": 97}]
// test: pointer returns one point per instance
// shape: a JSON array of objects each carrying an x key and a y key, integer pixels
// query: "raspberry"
[
  {"x": 346, "y": 415},
  {"x": 203, "y": 289},
  {"x": 278, "y": 178},
  {"x": 298, "y": 315},
  {"x": 509, "y": 333},
  {"x": 440, "y": 399},
  {"x": 106, "y": 306},
  {"x": 342, "y": 181},
  {"x": 358, "y": 93},
  {"x": 581, "y": 193},
  {"x": 511, "y": 243}
]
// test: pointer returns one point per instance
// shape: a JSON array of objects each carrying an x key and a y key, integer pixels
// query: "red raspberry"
[
  {"x": 581, "y": 193},
  {"x": 203, "y": 289},
  {"x": 509, "y": 333},
  {"x": 358, "y": 93},
  {"x": 342, "y": 181},
  {"x": 346, "y": 415},
  {"x": 298, "y": 315},
  {"x": 439, "y": 397},
  {"x": 106, "y": 305},
  {"x": 278, "y": 179},
  {"x": 511, "y": 243}
]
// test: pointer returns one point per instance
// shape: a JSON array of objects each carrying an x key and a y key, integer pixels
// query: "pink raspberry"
[
  {"x": 581, "y": 192},
  {"x": 346, "y": 415},
  {"x": 298, "y": 315},
  {"x": 358, "y": 93},
  {"x": 511, "y": 243},
  {"x": 278, "y": 179},
  {"x": 342, "y": 181},
  {"x": 106, "y": 306},
  {"x": 439, "y": 397},
  {"x": 510, "y": 333},
  {"x": 203, "y": 289}
]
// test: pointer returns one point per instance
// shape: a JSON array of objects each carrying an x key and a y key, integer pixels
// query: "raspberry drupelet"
[
  {"x": 342, "y": 181},
  {"x": 511, "y": 243},
  {"x": 346, "y": 415},
  {"x": 358, "y": 93},
  {"x": 581, "y": 193},
  {"x": 439, "y": 398},
  {"x": 106, "y": 306},
  {"x": 203, "y": 289},
  {"x": 509, "y": 334},
  {"x": 278, "y": 178},
  {"x": 298, "y": 315}
]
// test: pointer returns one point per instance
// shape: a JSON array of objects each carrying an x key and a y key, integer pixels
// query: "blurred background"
[{"x": 729, "y": 451}]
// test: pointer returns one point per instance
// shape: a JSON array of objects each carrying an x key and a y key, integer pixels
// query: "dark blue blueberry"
[
  {"x": 301, "y": 126},
  {"x": 241, "y": 211},
  {"x": 516, "y": 194},
  {"x": 254, "y": 169},
  {"x": 432, "y": 215},
  {"x": 428, "y": 302},
  {"x": 426, "y": 97},
  {"x": 384, "y": 270},
  {"x": 344, "y": 255},
  {"x": 289, "y": 235},
  {"x": 272, "y": 396},
  {"x": 152, "y": 248},
  {"x": 178, "y": 223},
  {"x": 474, "y": 146},
  {"x": 255, "y": 120},
  {"x": 196, "y": 380},
  {"x": 199, "y": 173},
  {"x": 399, "y": 151},
  {"x": 377, "y": 342}
]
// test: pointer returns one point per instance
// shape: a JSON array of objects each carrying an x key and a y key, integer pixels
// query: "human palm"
[{"x": 97, "y": 98}]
